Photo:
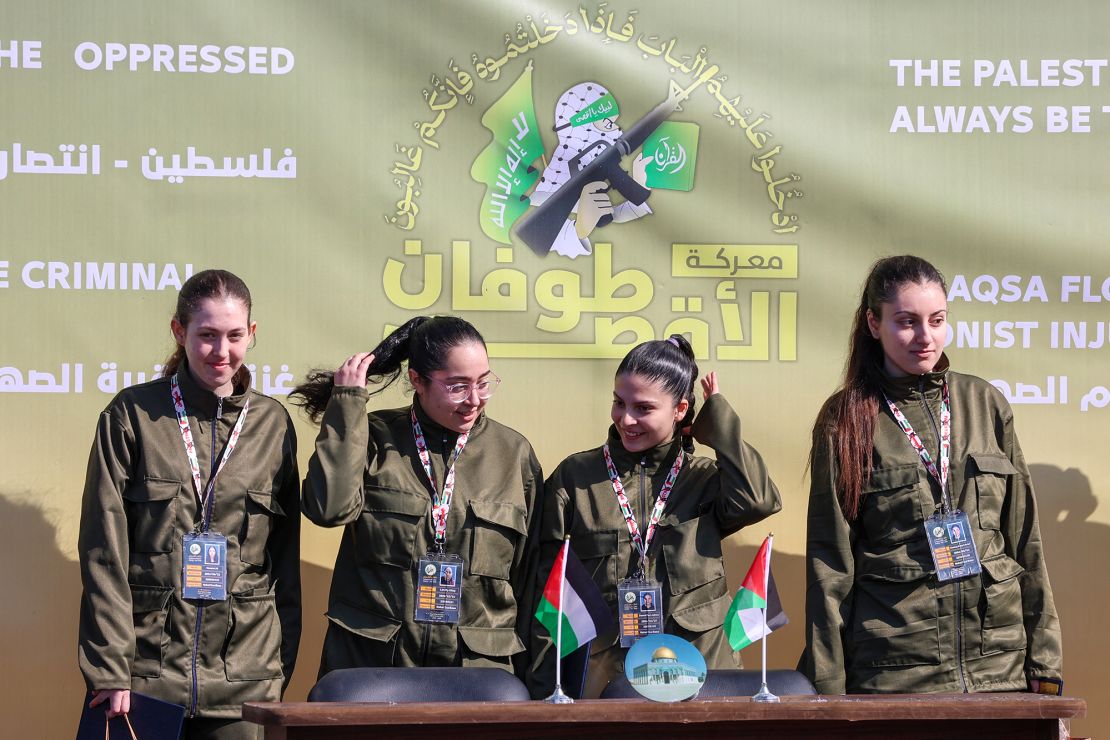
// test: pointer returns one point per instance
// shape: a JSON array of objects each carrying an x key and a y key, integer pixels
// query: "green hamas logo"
[
  {"x": 674, "y": 151},
  {"x": 600, "y": 109}
]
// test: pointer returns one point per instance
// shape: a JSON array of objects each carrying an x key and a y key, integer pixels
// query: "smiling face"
[
  {"x": 215, "y": 341},
  {"x": 466, "y": 363},
  {"x": 644, "y": 413},
  {"x": 912, "y": 328}
]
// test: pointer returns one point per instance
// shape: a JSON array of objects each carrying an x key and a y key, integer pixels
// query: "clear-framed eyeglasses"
[{"x": 459, "y": 392}]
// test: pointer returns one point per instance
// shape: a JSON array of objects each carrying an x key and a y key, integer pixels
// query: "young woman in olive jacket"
[
  {"x": 878, "y": 618},
  {"x": 653, "y": 424},
  {"x": 367, "y": 476},
  {"x": 137, "y": 631}
]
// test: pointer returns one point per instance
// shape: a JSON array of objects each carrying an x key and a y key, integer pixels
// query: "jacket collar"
[
  {"x": 202, "y": 402},
  {"x": 901, "y": 388},
  {"x": 662, "y": 455}
]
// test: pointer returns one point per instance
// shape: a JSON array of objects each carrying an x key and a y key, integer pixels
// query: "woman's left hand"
[{"x": 709, "y": 384}]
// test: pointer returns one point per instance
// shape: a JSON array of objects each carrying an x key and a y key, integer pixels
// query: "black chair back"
[
  {"x": 405, "y": 685},
  {"x": 728, "y": 682}
]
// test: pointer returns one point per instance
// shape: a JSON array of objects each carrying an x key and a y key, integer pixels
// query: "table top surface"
[{"x": 715, "y": 709}]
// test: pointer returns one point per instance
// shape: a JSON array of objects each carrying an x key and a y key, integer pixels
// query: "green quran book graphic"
[{"x": 674, "y": 148}]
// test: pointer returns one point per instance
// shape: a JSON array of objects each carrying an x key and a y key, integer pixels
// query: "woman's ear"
[
  {"x": 680, "y": 410},
  {"x": 178, "y": 331},
  {"x": 873, "y": 324}
]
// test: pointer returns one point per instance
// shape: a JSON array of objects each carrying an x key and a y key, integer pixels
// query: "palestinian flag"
[
  {"x": 584, "y": 614},
  {"x": 746, "y": 622}
]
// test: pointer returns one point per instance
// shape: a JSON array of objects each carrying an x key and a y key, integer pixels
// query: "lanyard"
[
  {"x": 441, "y": 504},
  {"x": 642, "y": 544},
  {"x": 203, "y": 492},
  {"x": 940, "y": 476}
]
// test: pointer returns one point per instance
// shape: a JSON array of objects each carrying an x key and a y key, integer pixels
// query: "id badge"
[
  {"x": 641, "y": 609},
  {"x": 204, "y": 566},
  {"x": 952, "y": 545},
  {"x": 439, "y": 588}
]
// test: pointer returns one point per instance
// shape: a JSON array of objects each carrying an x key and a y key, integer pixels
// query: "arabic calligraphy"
[
  {"x": 84, "y": 159},
  {"x": 112, "y": 380},
  {"x": 735, "y": 260},
  {"x": 565, "y": 305}
]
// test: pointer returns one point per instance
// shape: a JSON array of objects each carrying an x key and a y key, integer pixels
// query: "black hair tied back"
[
  {"x": 422, "y": 342},
  {"x": 669, "y": 362}
]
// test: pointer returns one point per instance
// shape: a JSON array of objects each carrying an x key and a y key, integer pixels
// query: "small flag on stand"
[
  {"x": 745, "y": 622},
  {"x": 583, "y": 613}
]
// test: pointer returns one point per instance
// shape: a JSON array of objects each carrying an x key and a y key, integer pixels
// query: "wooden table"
[{"x": 906, "y": 717}]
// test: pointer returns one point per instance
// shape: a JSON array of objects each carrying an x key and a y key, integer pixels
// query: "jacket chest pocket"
[
  {"x": 258, "y": 522},
  {"x": 895, "y": 505},
  {"x": 497, "y": 531},
  {"x": 152, "y": 514},
  {"x": 598, "y": 552},
  {"x": 392, "y": 521},
  {"x": 691, "y": 553},
  {"x": 991, "y": 477}
]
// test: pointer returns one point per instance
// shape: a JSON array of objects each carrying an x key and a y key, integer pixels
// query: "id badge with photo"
[
  {"x": 641, "y": 609},
  {"x": 204, "y": 568},
  {"x": 439, "y": 588},
  {"x": 952, "y": 545}
]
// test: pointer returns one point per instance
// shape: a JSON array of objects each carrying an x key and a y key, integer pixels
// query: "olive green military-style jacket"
[
  {"x": 877, "y": 619},
  {"x": 710, "y": 500},
  {"x": 366, "y": 476},
  {"x": 136, "y": 630}
]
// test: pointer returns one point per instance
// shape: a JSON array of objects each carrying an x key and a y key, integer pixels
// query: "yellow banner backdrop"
[{"x": 360, "y": 163}]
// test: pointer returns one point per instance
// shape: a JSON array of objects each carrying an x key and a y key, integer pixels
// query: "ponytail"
[{"x": 422, "y": 343}]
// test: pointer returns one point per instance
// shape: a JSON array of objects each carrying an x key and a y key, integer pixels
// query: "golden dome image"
[{"x": 664, "y": 652}]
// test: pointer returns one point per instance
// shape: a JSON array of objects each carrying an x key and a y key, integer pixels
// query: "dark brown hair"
[
  {"x": 422, "y": 342},
  {"x": 848, "y": 417},
  {"x": 219, "y": 284}
]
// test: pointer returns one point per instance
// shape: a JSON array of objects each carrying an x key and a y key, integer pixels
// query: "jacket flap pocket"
[
  {"x": 595, "y": 544},
  {"x": 1002, "y": 569},
  {"x": 152, "y": 489},
  {"x": 149, "y": 598},
  {"x": 267, "y": 501},
  {"x": 365, "y": 623},
  {"x": 703, "y": 617},
  {"x": 899, "y": 476},
  {"x": 494, "y": 641},
  {"x": 990, "y": 463},
  {"x": 505, "y": 515},
  {"x": 393, "y": 501}
]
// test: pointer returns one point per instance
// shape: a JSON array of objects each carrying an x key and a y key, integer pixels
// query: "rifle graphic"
[{"x": 539, "y": 228}]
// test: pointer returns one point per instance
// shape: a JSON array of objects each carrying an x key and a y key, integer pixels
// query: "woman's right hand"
[
  {"x": 119, "y": 701},
  {"x": 353, "y": 371}
]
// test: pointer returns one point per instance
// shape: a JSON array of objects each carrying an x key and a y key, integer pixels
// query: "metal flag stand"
[
  {"x": 764, "y": 696},
  {"x": 557, "y": 696}
]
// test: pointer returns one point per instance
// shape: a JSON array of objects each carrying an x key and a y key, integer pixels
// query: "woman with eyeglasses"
[
  {"x": 646, "y": 516},
  {"x": 433, "y": 485}
]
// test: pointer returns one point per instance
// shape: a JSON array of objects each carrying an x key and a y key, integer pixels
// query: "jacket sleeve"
[
  {"x": 284, "y": 547},
  {"x": 747, "y": 494},
  {"x": 526, "y": 561},
  {"x": 1044, "y": 650},
  {"x": 552, "y": 529},
  {"x": 830, "y": 572},
  {"x": 333, "y": 484},
  {"x": 106, "y": 639}
]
